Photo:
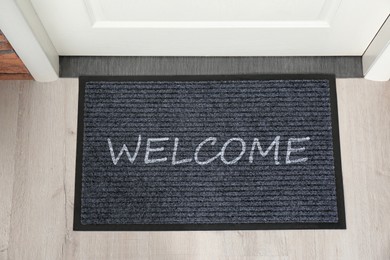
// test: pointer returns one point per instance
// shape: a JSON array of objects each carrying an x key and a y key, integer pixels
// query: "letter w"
[{"x": 124, "y": 149}]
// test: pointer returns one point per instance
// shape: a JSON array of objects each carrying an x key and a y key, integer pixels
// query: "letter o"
[{"x": 243, "y": 147}]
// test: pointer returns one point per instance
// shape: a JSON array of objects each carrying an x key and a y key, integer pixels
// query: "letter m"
[{"x": 264, "y": 153}]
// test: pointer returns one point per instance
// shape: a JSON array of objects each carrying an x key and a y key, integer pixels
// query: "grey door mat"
[{"x": 208, "y": 153}]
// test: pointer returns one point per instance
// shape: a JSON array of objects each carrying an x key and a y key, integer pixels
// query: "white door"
[{"x": 211, "y": 27}]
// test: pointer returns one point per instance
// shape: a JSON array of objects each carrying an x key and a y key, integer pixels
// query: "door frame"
[
  {"x": 25, "y": 32},
  {"x": 376, "y": 59},
  {"x": 21, "y": 25}
]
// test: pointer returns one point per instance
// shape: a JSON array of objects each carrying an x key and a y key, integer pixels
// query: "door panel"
[{"x": 212, "y": 27}]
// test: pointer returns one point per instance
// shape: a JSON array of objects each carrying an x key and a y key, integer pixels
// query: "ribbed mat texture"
[{"x": 207, "y": 152}]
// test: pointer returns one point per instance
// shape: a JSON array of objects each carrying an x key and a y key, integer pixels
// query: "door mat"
[{"x": 208, "y": 153}]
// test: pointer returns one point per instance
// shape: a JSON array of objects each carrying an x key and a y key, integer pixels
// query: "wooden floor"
[
  {"x": 37, "y": 162},
  {"x": 11, "y": 66}
]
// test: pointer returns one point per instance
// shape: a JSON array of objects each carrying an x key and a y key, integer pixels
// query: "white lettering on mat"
[
  {"x": 256, "y": 146},
  {"x": 159, "y": 149},
  {"x": 213, "y": 141},
  {"x": 257, "y": 143},
  {"x": 174, "y": 162},
  {"x": 300, "y": 149},
  {"x": 243, "y": 147},
  {"x": 124, "y": 149}
]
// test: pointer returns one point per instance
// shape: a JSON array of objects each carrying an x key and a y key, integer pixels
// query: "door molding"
[
  {"x": 376, "y": 59},
  {"x": 24, "y": 31}
]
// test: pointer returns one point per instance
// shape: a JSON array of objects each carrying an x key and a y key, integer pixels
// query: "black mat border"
[{"x": 77, "y": 226}]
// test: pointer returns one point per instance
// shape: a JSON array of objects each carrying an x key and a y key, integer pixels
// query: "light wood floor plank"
[
  {"x": 38, "y": 215},
  {"x": 9, "y": 97},
  {"x": 42, "y": 204},
  {"x": 91, "y": 245},
  {"x": 364, "y": 115}
]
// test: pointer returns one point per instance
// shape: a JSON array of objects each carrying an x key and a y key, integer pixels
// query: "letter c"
[{"x": 213, "y": 140}]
